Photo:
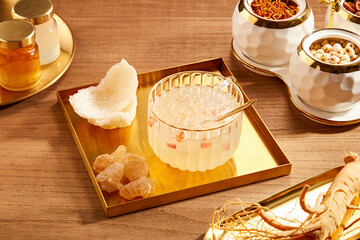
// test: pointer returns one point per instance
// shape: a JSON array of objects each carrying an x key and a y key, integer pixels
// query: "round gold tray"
[{"x": 51, "y": 72}]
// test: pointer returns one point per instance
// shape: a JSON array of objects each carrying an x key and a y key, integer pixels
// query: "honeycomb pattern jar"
[
  {"x": 325, "y": 86},
  {"x": 269, "y": 42}
]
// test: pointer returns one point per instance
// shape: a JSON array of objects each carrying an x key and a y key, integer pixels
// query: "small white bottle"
[{"x": 40, "y": 13}]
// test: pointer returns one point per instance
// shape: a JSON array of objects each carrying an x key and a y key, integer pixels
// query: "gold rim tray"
[
  {"x": 284, "y": 201},
  {"x": 257, "y": 158},
  {"x": 51, "y": 72},
  {"x": 345, "y": 118}
]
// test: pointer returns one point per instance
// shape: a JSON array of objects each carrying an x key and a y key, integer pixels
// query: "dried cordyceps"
[
  {"x": 275, "y": 9},
  {"x": 352, "y": 6}
]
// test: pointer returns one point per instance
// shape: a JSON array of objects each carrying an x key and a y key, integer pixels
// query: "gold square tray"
[
  {"x": 257, "y": 158},
  {"x": 285, "y": 203}
]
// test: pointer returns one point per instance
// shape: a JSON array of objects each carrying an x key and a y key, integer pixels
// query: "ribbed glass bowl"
[{"x": 194, "y": 149}]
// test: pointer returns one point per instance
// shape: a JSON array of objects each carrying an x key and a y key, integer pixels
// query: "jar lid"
[
  {"x": 16, "y": 33},
  {"x": 35, "y": 11}
]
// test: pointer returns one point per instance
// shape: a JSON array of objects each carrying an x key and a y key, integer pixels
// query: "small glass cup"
[{"x": 194, "y": 149}]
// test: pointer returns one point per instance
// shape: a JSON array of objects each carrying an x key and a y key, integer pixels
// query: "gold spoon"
[{"x": 236, "y": 110}]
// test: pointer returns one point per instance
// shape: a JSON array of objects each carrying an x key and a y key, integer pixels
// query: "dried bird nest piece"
[
  {"x": 326, "y": 220},
  {"x": 112, "y": 103}
]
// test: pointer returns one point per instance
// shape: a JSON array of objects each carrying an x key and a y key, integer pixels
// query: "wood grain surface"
[{"x": 45, "y": 191}]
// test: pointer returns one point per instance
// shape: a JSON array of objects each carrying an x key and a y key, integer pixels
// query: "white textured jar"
[
  {"x": 269, "y": 42},
  {"x": 343, "y": 19},
  {"x": 40, "y": 13},
  {"x": 325, "y": 86}
]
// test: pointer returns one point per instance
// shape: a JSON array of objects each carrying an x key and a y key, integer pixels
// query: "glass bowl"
[
  {"x": 266, "y": 41},
  {"x": 186, "y": 146}
]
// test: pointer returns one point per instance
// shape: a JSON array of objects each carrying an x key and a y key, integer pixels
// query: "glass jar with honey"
[
  {"x": 40, "y": 13},
  {"x": 19, "y": 56}
]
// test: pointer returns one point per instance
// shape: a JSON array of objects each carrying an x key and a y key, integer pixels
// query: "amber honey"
[
  {"x": 19, "y": 68},
  {"x": 19, "y": 56}
]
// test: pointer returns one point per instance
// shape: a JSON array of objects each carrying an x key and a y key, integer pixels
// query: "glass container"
[
  {"x": 187, "y": 148},
  {"x": 19, "y": 56},
  {"x": 40, "y": 13}
]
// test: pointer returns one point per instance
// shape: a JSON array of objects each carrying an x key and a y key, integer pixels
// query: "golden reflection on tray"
[
  {"x": 257, "y": 158},
  {"x": 285, "y": 203},
  {"x": 51, "y": 72}
]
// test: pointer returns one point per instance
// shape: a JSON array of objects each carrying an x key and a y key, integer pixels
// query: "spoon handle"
[{"x": 236, "y": 110}]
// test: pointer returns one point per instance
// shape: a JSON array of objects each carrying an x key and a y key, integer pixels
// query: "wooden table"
[{"x": 45, "y": 191}]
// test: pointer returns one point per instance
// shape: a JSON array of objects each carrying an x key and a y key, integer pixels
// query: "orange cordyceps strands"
[{"x": 275, "y": 9}]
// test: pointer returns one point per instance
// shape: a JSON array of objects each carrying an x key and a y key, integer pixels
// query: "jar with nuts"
[
  {"x": 325, "y": 69},
  {"x": 335, "y": 51}
]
